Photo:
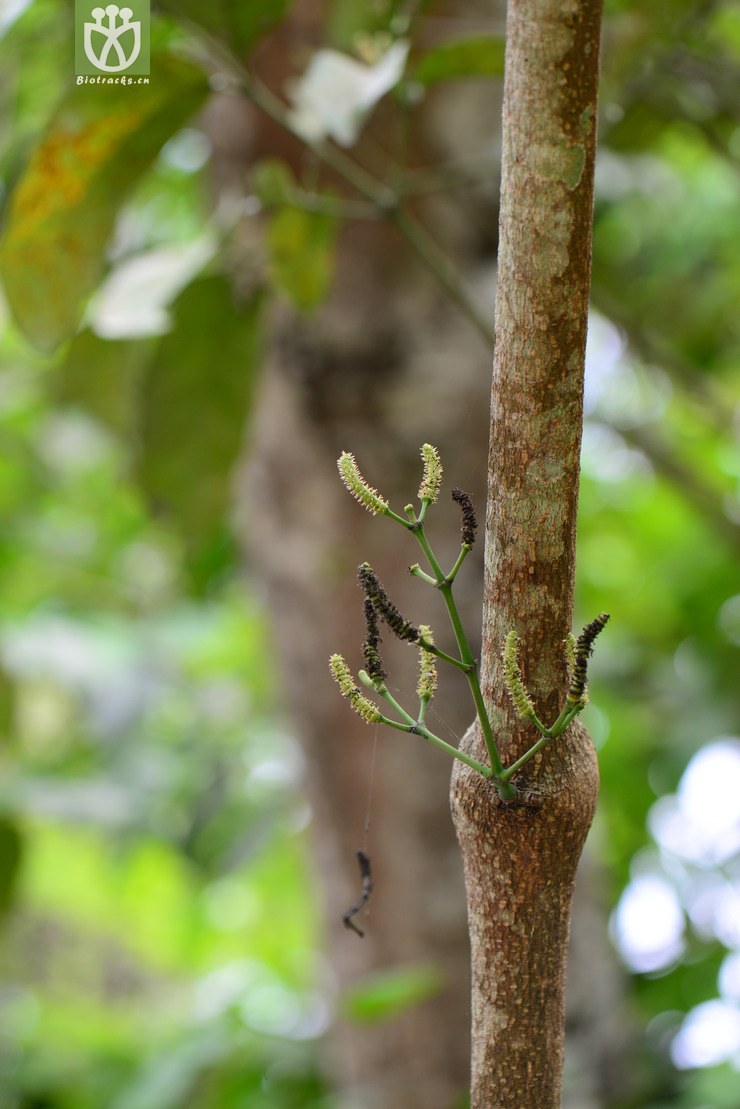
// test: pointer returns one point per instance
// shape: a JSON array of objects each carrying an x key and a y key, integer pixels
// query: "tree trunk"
[{"x": 520, "y": 860}]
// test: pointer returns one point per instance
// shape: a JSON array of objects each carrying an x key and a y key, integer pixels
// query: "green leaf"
[
  {"x": 64, "y": 208},
  {"x": 301, "y": 250},
  {"x": 235, "y": 22},
  {"x": 713, "y": 1086},
  {"x": 195, "y": 402},
  {"x": 36, "y": 60},
  {"x": 101, "y": 376},
  {"x": 11, "y": 854},
  {"x": 473, "y": 57},
  {"x": 273, "y": 182},
  {"x": 347, "y": 21},
  {"x": 383, "y": 996},
  {"x": 11, "y": 13}
]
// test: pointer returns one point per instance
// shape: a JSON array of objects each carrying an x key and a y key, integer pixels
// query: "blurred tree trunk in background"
[
  {"x": 367, "y": 377},
  {"x": 387, "y": 364}
]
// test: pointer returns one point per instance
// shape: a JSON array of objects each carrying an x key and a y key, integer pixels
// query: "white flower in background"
[
  {"x": 133, "y": 300},
  {"x": 648, "y": 924},
  {"x": 698, "y": 832},
  {"x": 729, "y": 977},
  {"x": 701, "y": 822},
  {"x": 709, "y": 1035},
  {"x": 336, "y": 93}
]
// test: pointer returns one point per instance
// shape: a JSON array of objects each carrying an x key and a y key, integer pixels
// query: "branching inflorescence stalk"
[{"x": 379, "y": 607}]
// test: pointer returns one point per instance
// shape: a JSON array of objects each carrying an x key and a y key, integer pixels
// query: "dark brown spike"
[
  {"x": 371, "y": 646},
  {"x": 469, "y": 522},
  {"x": 583, "y": 650},
  {"x": 376, "y": 594}
]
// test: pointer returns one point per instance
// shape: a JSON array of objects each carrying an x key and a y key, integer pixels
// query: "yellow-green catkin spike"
[
  {"x": 427, "y": 685},
  {"x": 342, "y": 676},
  {"x": 513, "y": 675},
  {"x": 570, "y": 653},
  {"x": 431, "y": 480},
  {"x": 368, "y": 497}
]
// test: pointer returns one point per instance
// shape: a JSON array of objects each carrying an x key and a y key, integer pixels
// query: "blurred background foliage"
[{"x": 161, "y": 945}]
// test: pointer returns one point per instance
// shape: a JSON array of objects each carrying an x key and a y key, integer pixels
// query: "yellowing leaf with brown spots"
[{"x": 64, "y": 207}]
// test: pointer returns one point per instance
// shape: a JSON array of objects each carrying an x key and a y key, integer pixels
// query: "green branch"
[{"x": 466, "y": 655}]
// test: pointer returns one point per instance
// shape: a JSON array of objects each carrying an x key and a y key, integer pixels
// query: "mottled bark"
[{"x": 520, "y": 862}]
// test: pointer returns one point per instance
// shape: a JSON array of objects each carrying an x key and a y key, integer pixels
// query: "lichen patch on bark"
[{"x": 562, "y": 163}]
